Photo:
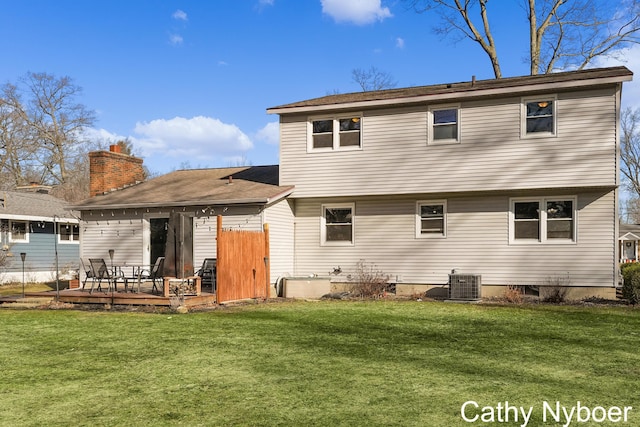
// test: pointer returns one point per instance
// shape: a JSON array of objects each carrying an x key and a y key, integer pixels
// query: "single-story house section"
[
  {"x": 133, "y": 218},
  {"x": 38, "y": 225}
]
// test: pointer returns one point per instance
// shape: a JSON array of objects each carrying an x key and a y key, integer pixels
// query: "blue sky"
[{"x": 188, "y": 82}]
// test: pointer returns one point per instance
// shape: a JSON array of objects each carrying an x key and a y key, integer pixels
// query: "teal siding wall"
[{"x": 40, "y": 251}]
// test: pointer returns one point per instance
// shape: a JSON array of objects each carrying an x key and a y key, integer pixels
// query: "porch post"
[
  {"x": 218, "y": 253},
  {"x": 267, "y": 262}
]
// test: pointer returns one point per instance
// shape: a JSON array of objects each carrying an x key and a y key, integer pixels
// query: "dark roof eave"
[
  {"x": 184, "y": 203},
  {"x": 464, "y": 90}
]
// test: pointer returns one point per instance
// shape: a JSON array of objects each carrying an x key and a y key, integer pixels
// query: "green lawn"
[
  {"x": 322, "y": 363},
  {"x": 16, "y": 288}
]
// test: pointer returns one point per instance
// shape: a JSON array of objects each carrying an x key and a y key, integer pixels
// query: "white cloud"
[
  {"x": 180, "y": 15},
  {"x": 101, "y": 137},
  {"x": 630, "y": 58},
  {"x": 265, "y": 2},
  {"x": 359, "y": 12},
  {"x": 175, "y": 39},
  {"x": 270, "y": 133},
  {"x": 400, "y": 43},
  {"x": 198, "y": 139}
]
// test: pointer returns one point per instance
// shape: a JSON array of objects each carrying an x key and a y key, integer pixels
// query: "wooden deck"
[{"x": 144, "y": 297}]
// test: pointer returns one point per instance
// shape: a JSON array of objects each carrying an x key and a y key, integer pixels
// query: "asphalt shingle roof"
[
  {"x": 462, "y": 88},
  {"x": 252, "y": 184},
  {"x": 32, "y": 204}
]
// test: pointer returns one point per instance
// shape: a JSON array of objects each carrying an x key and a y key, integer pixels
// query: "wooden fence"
[{"x": 242, "y": 264}]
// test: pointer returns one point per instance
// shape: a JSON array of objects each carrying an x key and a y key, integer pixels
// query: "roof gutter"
[{"x": 17, "y": 217}]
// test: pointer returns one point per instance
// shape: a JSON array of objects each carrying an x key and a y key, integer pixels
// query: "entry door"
[
  {"x": 158, "y": 228},
  {"x": 629, "y": 249}
]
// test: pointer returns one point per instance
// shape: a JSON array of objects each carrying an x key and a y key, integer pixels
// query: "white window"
[
  {"x": 431, "y": 219},
  {"x": 538, "y": 116},
  {"x": 335, "y": 133},
  {"x": 68, "y": 233},
  {"x": 19, "y": 231},
  {"x": 337, "y": 224},
  {"x": 543, "y": 220},
  {"x": 444, "y": 124}
]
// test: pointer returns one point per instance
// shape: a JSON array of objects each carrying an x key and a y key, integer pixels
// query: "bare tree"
[
  {"x": 126, "y": 146},
  {"x": 16, "y": 148},
  {"x": 630, "y": 149},
  {"x": 373, "y": 79},
  {"x": 630, "y": 161},
  {"x": 563, "y": 34},
  {"x": 58, "y": 122},
  {"x": 53, "y": 121}
]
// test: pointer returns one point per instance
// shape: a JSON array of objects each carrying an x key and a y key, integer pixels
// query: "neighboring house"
[
  {"x": 628, "y": 240},
  {"x": 133, "y": 217},
  {"x": 513, "y": 179},
  {"x": 37, "y": 224}
]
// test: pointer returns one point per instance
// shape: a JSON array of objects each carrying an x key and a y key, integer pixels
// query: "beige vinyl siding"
[
  {"x": 110, "y": 230},
  {"x": 204, "y": 239},
  {"x": 491, "y": 155},
  {"x": 281, "y": 238},
  {"x": 123, "y": 231},
  {"x": 477, "y": 242}
]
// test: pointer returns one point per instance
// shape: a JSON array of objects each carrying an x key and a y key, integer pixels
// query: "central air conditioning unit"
[{"x": 465, "y": 286}]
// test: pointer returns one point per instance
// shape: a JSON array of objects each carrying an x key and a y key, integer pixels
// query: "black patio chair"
[
  {"x": 157, "y": 273},
  {"x": 101, "y": 272},
  {"x": 207, "y": 273},
  {"x": 88, "y": 272}
]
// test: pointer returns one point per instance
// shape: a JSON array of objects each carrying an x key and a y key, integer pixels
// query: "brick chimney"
[{"x": 110, "y": 170}]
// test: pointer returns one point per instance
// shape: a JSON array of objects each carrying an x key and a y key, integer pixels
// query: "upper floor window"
[
  {"x": 68, "y": 233},
  {"x": 539, "y": 116},
  {"x": 545, "y": 220},
  {"x": 337, "y": 224},
  {"x": 444, "y": 124},
  {"x": 431, "y": 218},
  {"x": 19, "y": 231},
  {"x": 335, "y": 133}
]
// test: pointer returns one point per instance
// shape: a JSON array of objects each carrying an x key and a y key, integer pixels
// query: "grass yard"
[
  {"x": 16, "y": 288},
  {"x": 316, "y": 364}
]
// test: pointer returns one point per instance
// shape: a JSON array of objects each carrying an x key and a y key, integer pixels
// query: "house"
[
  {"x": 629, "y": 237},
  {"x": 513, "y": 180},
  {"x": 132, "y": 216},
  {"x": 39, "y": 225}
]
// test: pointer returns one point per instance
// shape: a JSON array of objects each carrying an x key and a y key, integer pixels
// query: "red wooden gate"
[{"x": 242, "y": 264}]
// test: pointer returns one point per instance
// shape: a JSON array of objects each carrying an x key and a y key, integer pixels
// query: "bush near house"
[
  {"x": 631, "y": 282},
  {"x": 368, "y": 281}
]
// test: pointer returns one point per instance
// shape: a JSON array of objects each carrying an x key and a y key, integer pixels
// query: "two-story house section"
[{"x": 513, "y": 179}]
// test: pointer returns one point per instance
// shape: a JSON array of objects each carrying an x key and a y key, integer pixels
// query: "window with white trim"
[
  {"x": 68, "y": 233},
  {"x": 431, "y": 219},
  {"x": 335, "y": 133},
  {"x": 444, "y": 124},
  {"x": 539, "y": 116},
  {"x": 543, "y": 220},
  {"x": 337, "y": 224},
  {"x": 19, "y": 231}
]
